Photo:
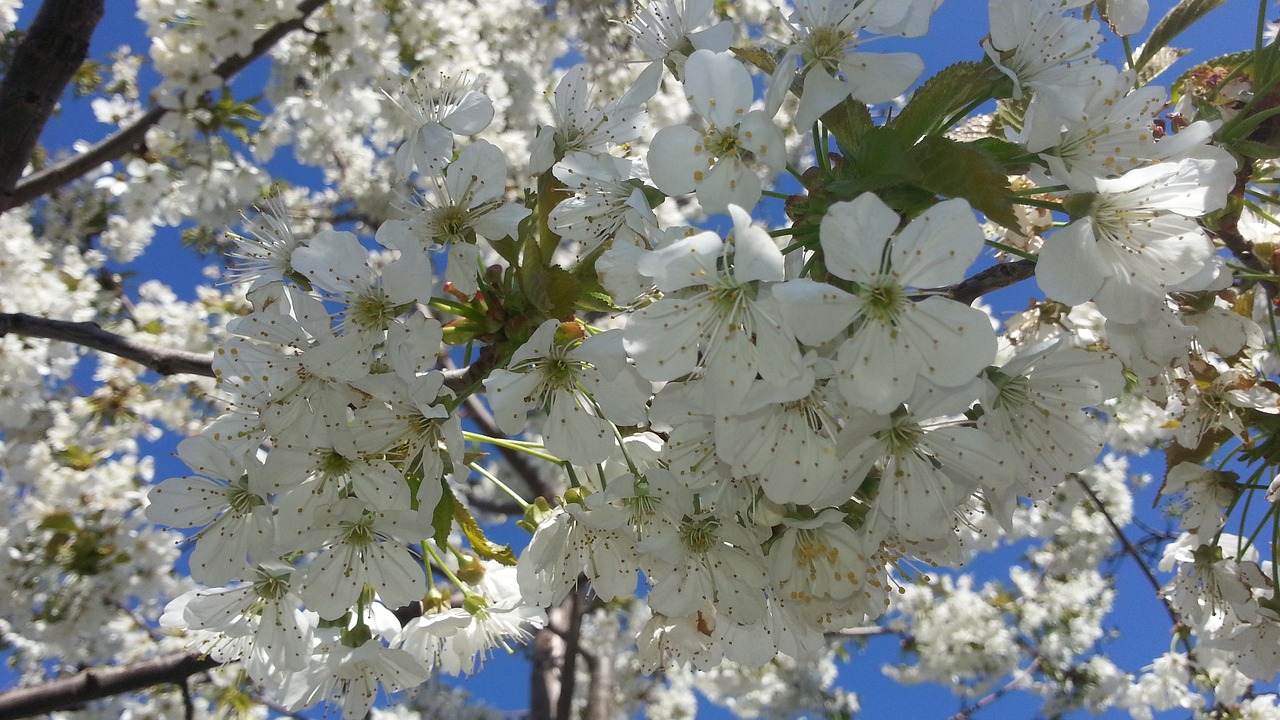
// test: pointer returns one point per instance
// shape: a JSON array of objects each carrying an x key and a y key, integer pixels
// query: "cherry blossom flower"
[
  {"x": 928, "y": 464},
  {"x": 260, "y": 622},
  {"x": 361, "y": 547},
  {"x": 1042, "y": 49},
  {"x": 826, "y": 34},
  {"x": 444, "y": 107},
  {"x": 584, "y": 129},
  {"x": 1036, "y": 410},
  {"x": 1138, "y": 236},
  {"x": 228, "y": 498},
  {"x": 895, "y": 339},
  {"x": 671, "y": 30},
  {"x": 585, "y": 387},
  {"x": 466, "y": 203},
  {"x": 713, "y": 160},
  {"x": 718, "y": 313},
  {"x": 608, "y": 205},
  {"x": 349, "y": 677}
]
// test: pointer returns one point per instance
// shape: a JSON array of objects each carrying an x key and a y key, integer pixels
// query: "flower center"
[{"x": 699, "y": 535}]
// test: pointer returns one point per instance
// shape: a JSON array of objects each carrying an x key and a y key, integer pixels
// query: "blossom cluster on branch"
[{"x": 725, "y": 305}]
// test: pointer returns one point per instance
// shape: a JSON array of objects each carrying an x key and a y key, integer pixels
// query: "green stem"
[
  {"x": 444, "y": 568},
  {"x": 520, "y": 445},
  {"x": 1011, "y": 250},
  {"x": 524, "y": 506}
]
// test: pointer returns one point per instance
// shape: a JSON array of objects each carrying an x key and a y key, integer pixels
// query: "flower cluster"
[{"x": 757, "y": 424}]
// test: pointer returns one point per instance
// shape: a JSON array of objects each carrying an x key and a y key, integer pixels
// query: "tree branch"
[
  {"x": 55, "y": 46},
  {"x": 91, "y": 335},
  {"x": 131, "y": 135},
  {"x": 990, "y": 280},
  {"x": 99, "y": 683},
  {"x": 1179, "y": 628},
  {"x": 162, "y": 360},
  {"x": 63, "y": 693}
]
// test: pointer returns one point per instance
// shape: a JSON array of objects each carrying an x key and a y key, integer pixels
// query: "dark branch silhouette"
[
  {"x": 130, "y": 136},
  {"x": 990, "y": 280},
  {"x": 99, "y": 683},
  {"x": 162, "y": 360},
  {"x": 54, "y": 48}
]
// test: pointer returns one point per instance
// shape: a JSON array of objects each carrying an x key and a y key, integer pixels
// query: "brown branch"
[
  {"x": 572, "y": 641},
  {"x": 95, "y": 684},
  {"x": 989, "y": 280},
  {"x": 162, "y": 360},
  {"x": 130, "y": 136},
  {"x": 88, "y": 334},
  {"x": 100, "y": 683},
  {"x": 55, "y": 46}
]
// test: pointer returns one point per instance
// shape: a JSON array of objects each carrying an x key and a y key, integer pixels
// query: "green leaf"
[
  {"x": 1182, "y": 16},
  {"x": 966, "y": 170},
  {"x": 1161, "y": 61},
  {"x": 849, "y": 122},
  {"x": 485, "y": 549},
  {"x": 58, "y": 521},
  {"x": 952, "y": 91},
  {"x": 881, "y": 159},
  {"x": 1014, "y": 157},
  {"x": 442, "y": 517},
  {"x": 1259, "y": 150}
]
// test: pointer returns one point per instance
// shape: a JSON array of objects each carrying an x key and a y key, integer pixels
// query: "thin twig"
[
  {"x": 1133, "y": 552},
  {"x": 999, "y": 692},
  {"x": 132, "y": 135},
  {"x": 165, "y": 361}
]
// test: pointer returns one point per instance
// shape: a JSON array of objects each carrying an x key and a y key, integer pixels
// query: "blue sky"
[{"x": 956, "y": 30}]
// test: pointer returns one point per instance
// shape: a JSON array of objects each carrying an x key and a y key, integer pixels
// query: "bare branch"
[
  {"x": 55, "y": 46},
  {"x": 91, "y": 335},
  {"x": 572, "y": 641},
  {"x": 1178, "y": 626},
  {"x": 1019, "y": 679},
  {"x": 162, "y": 360},
  {"x": 131, "y": 135},
  {"x": 95, "y": 684},
  {"x": 99, "y": 683},
  {"x": 990, "y": 280}
]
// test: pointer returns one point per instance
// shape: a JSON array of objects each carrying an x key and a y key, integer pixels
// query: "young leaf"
[
  {"x": 942, "y": 96},
  {"x": 967, "y": 171},
  {"x": 485, "y": 549},
  {"x": 1182, "y": 16}
]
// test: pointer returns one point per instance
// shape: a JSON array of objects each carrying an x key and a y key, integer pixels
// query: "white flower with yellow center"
[
  {"x": 713, "y": 160},
  {"x": 894, "y": 339}
]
